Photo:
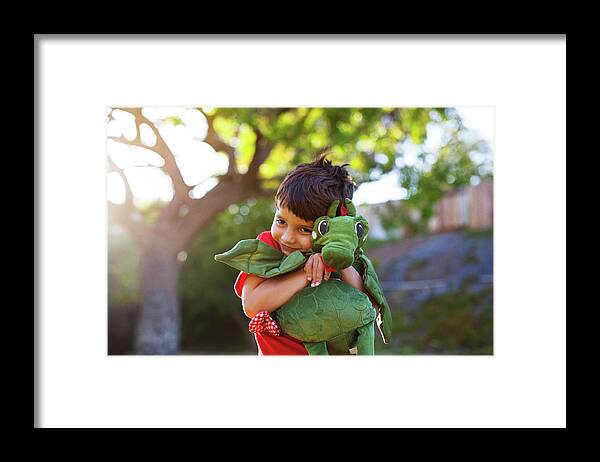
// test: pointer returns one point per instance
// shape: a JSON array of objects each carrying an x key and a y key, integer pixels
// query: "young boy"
[{"x": 304, "y": 195}]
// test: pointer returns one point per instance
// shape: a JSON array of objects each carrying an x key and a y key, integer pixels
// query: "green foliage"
[
  {"x": 123, "y": 260},
  {"x": 427, "y": 181},
  {"x": 174, "y": 120},
  {"x": 206, "y": 287},
  {"x": 364, "y": 137},
  {"x": 371, "y": 140},
  {"x": 246, "y": 144},
  {"x": 123, "y": 290},
  {"x": 458, "y": 322},
  {"x": 479, "y": 233}
]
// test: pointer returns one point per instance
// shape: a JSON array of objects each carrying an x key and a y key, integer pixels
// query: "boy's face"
[{"x": 291, "y": 232}]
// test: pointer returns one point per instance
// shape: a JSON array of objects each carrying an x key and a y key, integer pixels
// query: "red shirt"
[{"x": 270, "y": 344}]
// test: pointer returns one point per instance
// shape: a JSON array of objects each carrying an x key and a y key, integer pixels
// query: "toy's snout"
[{"x": 338, "y": 257}]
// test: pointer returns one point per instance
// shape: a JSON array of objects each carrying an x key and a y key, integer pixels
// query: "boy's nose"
[{"x": 288, "y": 240}]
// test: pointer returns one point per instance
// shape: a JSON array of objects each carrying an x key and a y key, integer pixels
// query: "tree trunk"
[{"x": 158, "y": 330}]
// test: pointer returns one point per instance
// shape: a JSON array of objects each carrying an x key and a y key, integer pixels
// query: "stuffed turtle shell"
[{"x": 317, "y": 314}]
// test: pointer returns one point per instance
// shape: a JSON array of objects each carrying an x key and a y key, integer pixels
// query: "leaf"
[
  {"x": 174, "y": 120},
  {"x": 225, "y": 127}
]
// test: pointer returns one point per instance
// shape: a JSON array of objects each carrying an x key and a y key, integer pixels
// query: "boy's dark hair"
[{"x": 309, "y": 189}]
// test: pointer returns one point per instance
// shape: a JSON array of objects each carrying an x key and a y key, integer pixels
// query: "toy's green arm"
[
  {"x": 254, "y": 256},
  {"x": 373, "y": 286}
]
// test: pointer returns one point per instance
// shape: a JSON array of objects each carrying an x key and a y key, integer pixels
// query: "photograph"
[
  {"x": 300, "y": 230},
  {"x": 210, "y": 209}
]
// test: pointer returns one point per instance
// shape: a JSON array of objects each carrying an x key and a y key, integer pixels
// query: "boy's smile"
[{"x": 291, "y": 232}]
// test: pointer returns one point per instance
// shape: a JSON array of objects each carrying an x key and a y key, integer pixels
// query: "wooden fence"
[{"x": 470, "y": 207}]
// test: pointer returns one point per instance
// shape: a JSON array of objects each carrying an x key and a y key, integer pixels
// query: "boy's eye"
[{"x": 281, "y": 222}]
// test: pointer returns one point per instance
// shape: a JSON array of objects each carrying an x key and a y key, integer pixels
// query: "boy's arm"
[
  {"x": 259, "y": 294},
  {"x": 353, "y": 277}
]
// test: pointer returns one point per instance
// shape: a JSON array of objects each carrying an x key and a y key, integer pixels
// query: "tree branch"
[
  {"x": 261, "y": 152},
  {"x": 161, "y": 148},
  {"x": 126, "y": 214},
  {"x": 128, "y": 194},
  {"x": 205, "y": 209},
  {"x": 214, "y": 140},
  {"x": 136, "y": 142}
]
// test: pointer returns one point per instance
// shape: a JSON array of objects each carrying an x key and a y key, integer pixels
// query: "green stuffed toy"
[{"x": 334, "y": 317}]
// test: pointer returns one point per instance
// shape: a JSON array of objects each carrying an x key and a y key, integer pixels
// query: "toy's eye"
[
  {"x": 323, "y": 227},
  {"x": 360, "y": 230}
]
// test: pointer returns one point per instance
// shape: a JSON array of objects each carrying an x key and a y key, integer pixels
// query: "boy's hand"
[{"x": 315, "y": 270}]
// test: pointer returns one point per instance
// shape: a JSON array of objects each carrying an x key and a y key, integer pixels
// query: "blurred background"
[{"x": 186, "y": 183}]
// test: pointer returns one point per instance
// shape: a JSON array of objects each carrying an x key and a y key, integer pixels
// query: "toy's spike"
[
  {"x": 333, "y": 208},
  {"x": 350, "y": 207}
]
